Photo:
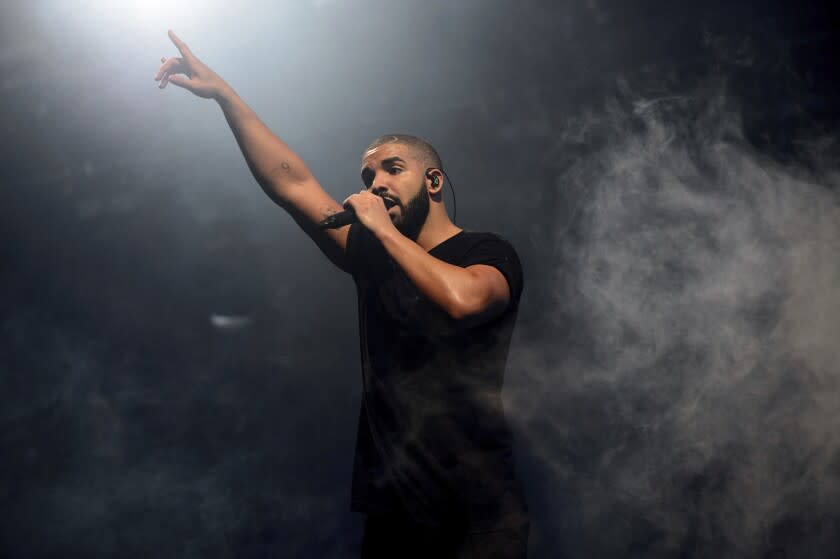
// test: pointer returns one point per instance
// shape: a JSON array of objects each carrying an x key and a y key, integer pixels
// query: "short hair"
[{"x": 423, "y": 150}]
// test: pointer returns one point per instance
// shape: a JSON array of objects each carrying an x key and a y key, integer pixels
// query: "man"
[{"x": 437, "y": 304}]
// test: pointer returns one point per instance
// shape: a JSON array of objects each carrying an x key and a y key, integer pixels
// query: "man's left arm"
[{"x": 476, "y": 294}]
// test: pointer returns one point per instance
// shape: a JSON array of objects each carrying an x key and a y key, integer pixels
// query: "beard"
[{"x": 413, "y": 215}]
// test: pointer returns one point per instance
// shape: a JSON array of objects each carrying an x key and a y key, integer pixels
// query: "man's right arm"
[{"x": 279, "y": 171}]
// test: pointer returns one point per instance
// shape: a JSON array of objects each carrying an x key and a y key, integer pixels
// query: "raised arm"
[{"x": 280, "y": 172}]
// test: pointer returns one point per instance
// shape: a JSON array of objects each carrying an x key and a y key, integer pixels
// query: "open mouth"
[{"x": 389, "y": 203}]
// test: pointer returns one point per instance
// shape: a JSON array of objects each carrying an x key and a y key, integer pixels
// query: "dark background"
[{"x": 179, "y": 365}]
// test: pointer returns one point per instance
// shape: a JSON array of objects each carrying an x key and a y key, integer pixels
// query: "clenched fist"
[{"x": 370, "y": 210}]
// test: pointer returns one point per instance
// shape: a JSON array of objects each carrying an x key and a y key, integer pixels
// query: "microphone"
[
  {"x": 346, "y": 217},
  {"x": 339, "y": 219}
]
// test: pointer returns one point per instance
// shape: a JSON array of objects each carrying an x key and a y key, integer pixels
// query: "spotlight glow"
[{"x": 131, "y": 15}]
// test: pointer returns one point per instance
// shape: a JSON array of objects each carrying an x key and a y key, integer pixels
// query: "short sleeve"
[{"x": 495, "y": 251}]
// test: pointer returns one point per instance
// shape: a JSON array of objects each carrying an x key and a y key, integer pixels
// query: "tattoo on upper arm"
[{"x": 284, "y": 167}]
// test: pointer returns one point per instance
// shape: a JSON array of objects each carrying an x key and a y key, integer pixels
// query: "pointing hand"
[{"x": 189, "y": 72}]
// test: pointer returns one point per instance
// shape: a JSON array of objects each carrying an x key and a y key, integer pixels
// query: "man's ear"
[{"x": 435, "y": 178}]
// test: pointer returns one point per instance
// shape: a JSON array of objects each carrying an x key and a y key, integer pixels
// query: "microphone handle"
[
  {"x": 346, "y": 217},
  {"x": 339, "y": 219}
]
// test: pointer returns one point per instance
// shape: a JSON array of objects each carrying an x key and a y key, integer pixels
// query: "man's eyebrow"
[
  {"x": 384, "y": 162},
  {"x": 391, "y": 160}
]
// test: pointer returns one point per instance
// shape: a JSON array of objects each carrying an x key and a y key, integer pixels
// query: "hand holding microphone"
[{"x": 349, "y": 215}]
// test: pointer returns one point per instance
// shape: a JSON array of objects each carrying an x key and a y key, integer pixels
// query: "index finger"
[{"x": 179, "y": 44}]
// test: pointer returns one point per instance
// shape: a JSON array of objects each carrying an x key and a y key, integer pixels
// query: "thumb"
[{"x": 182, "y": 81}]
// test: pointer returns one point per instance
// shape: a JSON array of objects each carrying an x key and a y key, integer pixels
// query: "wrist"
[
  {"x": 224, "y": 94},
  {"x": 388, "y": 235}
]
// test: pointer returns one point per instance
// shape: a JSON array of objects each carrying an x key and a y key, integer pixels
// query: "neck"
[{"x": 438, "y": 228}]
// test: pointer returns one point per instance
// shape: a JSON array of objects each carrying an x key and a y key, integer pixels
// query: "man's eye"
[{"x": 394, "y": 170}]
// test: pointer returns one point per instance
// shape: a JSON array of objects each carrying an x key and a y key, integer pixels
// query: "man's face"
[{"x": 393, "y": 172}]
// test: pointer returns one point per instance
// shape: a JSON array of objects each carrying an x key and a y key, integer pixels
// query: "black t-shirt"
[{"x": 432, "y": 439}]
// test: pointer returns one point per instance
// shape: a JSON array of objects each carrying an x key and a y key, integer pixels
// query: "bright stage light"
[
  {"x": 131, "y": 15},
  {"x": 149, "y": 10}
]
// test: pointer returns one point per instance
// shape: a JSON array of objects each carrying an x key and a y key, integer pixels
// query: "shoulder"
[{"x": 485, "y": 243}]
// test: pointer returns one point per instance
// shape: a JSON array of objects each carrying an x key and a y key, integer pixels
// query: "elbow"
[
  {"x": 464, "y": 309},
  {"x": 457, "y": 314},
  {"x": 283, "y": 193},
  {"x": 281, "y": 183},
  {"x": 476, "y": 307}
]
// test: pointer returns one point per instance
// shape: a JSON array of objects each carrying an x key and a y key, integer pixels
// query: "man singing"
[{"x": 433, "y": 469}]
